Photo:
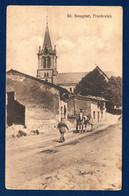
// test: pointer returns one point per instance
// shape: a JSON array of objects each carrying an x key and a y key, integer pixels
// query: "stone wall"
[
  {"x": 84, "y": 105},
  {"x": 89, "y": 108},
  {"x": 41, "y": 100}
]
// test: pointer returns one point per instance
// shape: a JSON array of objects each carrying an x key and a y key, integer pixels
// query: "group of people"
[
  {"x": 81, "y": 125},
  {"x": 82, "y": 121}
]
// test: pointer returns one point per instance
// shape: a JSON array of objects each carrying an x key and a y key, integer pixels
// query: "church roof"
[
  {"x": 75, "y": 77},
  {"x": 47, "y": 39},
  {"x": 72, "y": 78}
]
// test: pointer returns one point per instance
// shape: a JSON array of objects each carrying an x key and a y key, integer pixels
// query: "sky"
[{"x": 81, "y": 43}]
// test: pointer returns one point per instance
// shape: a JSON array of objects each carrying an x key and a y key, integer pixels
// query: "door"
[{"x": 98, "y": 116}]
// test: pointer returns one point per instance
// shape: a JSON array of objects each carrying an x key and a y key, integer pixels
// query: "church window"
[
  {"x": 48, "y": 62},
  {"x": 44, "y": 62}
]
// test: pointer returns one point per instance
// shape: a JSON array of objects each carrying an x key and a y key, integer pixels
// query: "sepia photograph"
[{"x": 64, "y": 98}]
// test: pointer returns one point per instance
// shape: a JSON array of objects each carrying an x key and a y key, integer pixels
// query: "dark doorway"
[
  {"x": 98, "y": 116},
  {"x": 15, "y": 111}
]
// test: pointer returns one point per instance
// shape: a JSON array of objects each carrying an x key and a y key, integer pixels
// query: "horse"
[
  {"x": 87, "y": 121},
  {"x": 81, "y": 124}
]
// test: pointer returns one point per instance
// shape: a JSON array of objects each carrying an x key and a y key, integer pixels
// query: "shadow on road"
[
  {"x": 75, "y": 131},
  {"x": 57, "y": 141}
]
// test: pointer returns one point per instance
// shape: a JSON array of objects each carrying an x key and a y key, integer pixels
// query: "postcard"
[{"x": 64, "y": 98}]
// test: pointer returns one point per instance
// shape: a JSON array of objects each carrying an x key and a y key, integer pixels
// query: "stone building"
[
  {"x": 91, "y": 106},
  {"x": 31, "y": 100},
  {"x": 47, "y": 60}
]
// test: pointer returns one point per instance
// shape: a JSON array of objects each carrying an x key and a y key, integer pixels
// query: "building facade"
[
  {"x": 94, "y": 107},
  {"x": 30, "y": 101}
]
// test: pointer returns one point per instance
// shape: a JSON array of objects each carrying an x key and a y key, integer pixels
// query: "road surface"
[{"x": 92, "y": 162}]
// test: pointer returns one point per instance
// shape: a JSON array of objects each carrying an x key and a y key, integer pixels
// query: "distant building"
[
  {"x": 90, "y": 105},
  {"x": 47, "y": 67},
  {"x": 70, "y": 80},
  {"x": 47, "y": 60}
]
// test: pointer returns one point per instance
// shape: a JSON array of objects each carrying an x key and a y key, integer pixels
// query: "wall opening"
[
  {"x": 98, "y": 116},
  {"x": 94, "y": 115},
  {"x": 15, "y": 111}
]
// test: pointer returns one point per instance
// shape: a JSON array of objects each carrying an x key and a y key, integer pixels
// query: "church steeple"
[
  {"x": 47, "y": 39},
  {"x": 47, "y": 59}
]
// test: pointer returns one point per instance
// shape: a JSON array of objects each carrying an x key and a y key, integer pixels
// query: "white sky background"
[{"x": 81, "y": 42}]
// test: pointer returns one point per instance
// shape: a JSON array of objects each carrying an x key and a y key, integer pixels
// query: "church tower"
[{"x": 47, "y": 59}]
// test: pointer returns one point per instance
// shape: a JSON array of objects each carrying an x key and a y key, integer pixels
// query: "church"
[
  {"x": 47, "y": 67},
  {"x": 50, "y": 94}
]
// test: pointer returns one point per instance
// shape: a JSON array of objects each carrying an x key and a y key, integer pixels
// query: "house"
[
  {"x": 31, "y": 100},
  {"x": 91, "y": 106}
]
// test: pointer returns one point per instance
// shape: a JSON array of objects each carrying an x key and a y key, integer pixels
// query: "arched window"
[
  {"x": 48, "y": 62},
  {"x": 44, "y": 62}
]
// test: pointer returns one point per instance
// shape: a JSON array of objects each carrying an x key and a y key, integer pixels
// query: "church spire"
[
  {"x": 47, "y": 39},
  {"x": 47, "y": 59}
]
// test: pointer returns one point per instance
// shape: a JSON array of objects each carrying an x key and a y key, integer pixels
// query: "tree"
[
  {"x": 113, "y": 92},
  {"x": 92, "y": 84}
]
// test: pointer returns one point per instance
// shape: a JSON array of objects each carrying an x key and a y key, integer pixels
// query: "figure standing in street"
[
  {"x": 80, "y": 121},
  {"x": 64, "y": 111},
  {"x": 62, "y": 126}
]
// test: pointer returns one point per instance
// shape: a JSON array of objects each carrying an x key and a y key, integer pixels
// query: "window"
[
  {"x": 98, "y": 116},
  {"x": 44, "y": 74},
  {"x": 98, "y": 104},
  {"x": 44, "y": 62},
  {"x": 48, "y": 61},
  {"x": 47, "y": 74},
  {"x": 93, "y": 114}
]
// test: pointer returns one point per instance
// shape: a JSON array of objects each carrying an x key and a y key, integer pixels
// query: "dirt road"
[{"x": 89, "y": 163}]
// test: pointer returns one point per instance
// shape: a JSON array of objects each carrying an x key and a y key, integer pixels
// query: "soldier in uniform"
[{"x": 62, "y": 126}]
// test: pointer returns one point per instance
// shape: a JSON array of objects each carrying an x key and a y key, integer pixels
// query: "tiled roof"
[
  {"x": 72, "y": 78},
  {"x": 75, "y": 77},
  {"x": 87, "y": 98}
]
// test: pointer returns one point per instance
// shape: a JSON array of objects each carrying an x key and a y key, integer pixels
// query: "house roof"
[
  {"x": 75, "y": 77},
  {"x": 62, "y": 90},
  {"x": 94, "y": 98}
]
